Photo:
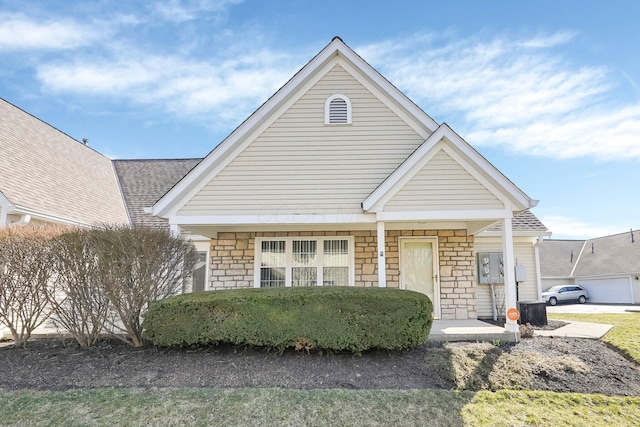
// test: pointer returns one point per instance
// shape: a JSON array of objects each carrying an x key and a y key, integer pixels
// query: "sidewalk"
[{"x": 577, "y": 329}]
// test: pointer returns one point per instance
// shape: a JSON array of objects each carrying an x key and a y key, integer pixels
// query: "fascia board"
[
  {"x": 266, "y": 219},
  {"x": 387, "y": 186},
  {"x": 476, "y": 164},
  {"x": 420, "y": 126},
  {"x": 509, "y": 187},
  {"x": 387, "y": 87},
  {"x": 466, "y": 215},
  {"x": 522, "y": 233},
  {"x": 49, "y": 217},
  {"x": 170, "y": 203},
  {"x": 240, "y": 144},
  {"x": 5, "y": 202},
  {"x": 194, "y": 180}
]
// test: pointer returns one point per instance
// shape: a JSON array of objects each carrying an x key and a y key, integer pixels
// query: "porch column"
[
  {"x": 508, "y": 265},
  {"x": 3, "y": 216},
  {"x": 382, "y": 265},
  {"x": 175, "y": 230}
]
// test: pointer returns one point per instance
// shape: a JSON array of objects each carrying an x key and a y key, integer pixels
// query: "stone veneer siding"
[{"x": 232, "y": 262}]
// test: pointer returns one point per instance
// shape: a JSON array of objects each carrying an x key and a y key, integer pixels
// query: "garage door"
[{"x": 612, "y": 290}]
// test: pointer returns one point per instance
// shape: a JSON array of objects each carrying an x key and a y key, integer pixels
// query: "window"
[
  {"x": 200, "y": 274},
  {"x": 304, "y": 261},
  {"x": 337, "y": 110}
]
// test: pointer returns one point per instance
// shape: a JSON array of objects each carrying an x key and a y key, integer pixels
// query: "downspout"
[{"x": 536, "y": 254}]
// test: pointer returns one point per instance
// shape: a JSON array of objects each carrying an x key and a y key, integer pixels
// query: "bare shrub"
[
  {"x": 81, "y": 305},
  {"x": 27, "y": 276},
  {"x": 527, "y": 331},
  {"x": 138, "y": 265}
]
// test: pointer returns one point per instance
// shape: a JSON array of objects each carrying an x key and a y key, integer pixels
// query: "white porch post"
[
  {"x": 3, "y": 216},
  {"x": 175, "y": 230},
  {"x": 382, "y": 265},
  {"x": 508, "y": 265}
]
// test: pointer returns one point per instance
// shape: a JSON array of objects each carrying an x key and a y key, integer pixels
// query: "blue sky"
[{"x": 548, "y": 91}]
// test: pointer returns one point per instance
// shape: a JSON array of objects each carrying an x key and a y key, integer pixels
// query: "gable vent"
[{"x": 338, "y": 110}]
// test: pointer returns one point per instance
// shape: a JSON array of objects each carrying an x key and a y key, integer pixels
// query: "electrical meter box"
[{"x": 490, "y": 268}]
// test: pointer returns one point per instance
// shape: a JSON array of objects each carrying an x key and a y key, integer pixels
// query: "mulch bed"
[{"x": 54, "y": 364}]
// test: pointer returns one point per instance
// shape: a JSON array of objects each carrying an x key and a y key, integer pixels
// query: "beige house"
[
  {"x": 338, "y": 179},
  {"x": 45, "y": 175}
]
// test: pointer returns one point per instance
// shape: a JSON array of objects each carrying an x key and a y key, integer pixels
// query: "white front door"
[{"x": 419, "y": 268}]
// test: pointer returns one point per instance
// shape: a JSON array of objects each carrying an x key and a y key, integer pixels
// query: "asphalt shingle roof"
[
  {"x": 608, "y": 255},
  {"x": 556, "y": 258},
  {"x": 144, "y": 182},
  {"x": 524, "y": 221},
  {"x": 611, "y": 255},
  {"x": 45, "y": 170}
]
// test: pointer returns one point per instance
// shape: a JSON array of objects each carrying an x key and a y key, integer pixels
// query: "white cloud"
[
  {"x": 215, "y": 90},
  {"x": 572, "y": 228},
  {"x": 18, "y": 32},
  {"x": 186, "y": 10},
  {"x": 516, "y": 93}
]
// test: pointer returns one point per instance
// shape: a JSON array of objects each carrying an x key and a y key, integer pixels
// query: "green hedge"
[{"x": 330, "y": 318}]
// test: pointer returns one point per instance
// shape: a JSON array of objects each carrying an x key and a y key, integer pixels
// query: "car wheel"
[
  {"x": 582, "y": 299},
  {"x": 553, "y": 301}
]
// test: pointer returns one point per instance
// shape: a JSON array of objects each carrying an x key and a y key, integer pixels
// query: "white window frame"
[
  {"x": 327, "y": 109},
  {"x": 289, "y": 257},
  {"x": 202, "y": 246}
]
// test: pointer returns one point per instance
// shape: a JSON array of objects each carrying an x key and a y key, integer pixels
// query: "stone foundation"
[{"x": 231, "y": 263}]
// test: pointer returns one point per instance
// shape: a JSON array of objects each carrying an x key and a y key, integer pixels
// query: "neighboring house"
[
  {"x": 608, "y": 267},
  {"x": 338, "y": 179},
  {"x": 45, "y": 175}
]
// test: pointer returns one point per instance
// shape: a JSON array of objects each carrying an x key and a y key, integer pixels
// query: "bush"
[
  {"x": 137, "y": 265},
  {"x": 330, "y": 318},
  {"x": 27, "y": 277}
]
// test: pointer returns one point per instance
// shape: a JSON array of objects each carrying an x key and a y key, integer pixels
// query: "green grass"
[
  {"x": 277, "y": 407},
  {"x": 626, "y": 332},
  {"x": 484, "y": 367}
]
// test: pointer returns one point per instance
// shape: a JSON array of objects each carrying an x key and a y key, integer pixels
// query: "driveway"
[{"x": 593, "y": 308}]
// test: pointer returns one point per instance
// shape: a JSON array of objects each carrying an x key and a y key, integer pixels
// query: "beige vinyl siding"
[
  {"x": 334, "y": 167},
  {"x": 525, "y": 255},
  {"x": 443, "y": 184}
]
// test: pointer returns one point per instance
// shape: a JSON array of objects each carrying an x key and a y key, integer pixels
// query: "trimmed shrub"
[{"x": 329, "y": 318}]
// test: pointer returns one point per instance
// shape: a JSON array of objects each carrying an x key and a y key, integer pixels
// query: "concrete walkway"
[
  {"x": 468, "y": 330},
  {"x": 477, "y": 330},
  {"x": 577, "y": 329}
]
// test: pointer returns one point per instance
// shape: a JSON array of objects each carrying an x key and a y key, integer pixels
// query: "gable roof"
[
  {"x": 608, "y": 255},
  {"x": 476, "y": 164},
  {"x": 273, "y": 107},
  {"x": 49, "y": 175},
  {"x": 143, "y": 182},
  {"x": 558, "y": 258}
]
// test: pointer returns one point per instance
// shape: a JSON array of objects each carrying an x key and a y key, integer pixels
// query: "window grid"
[{"x": 322, "y": 261}]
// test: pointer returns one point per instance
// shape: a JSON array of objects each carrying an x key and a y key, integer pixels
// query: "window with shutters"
[{"x": 337, "y": 110}]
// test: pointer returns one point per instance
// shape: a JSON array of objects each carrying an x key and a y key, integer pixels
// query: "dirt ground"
[{"x": 55, "y": 364}]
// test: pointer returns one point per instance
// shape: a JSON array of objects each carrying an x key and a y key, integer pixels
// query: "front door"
[{"x": 419, "y": 269}]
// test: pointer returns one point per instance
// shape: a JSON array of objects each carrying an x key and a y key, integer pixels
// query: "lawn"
[
  {"x": 625, "y": 335},
  {"x": 337, "y": 407},
  {"x": 253, "y": 407}
]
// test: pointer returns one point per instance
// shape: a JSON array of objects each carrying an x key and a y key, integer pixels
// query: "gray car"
[{"x": 565, "y": 293}]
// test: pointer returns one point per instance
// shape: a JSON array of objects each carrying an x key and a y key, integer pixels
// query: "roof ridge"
[{"x": 54, "y": 128}]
